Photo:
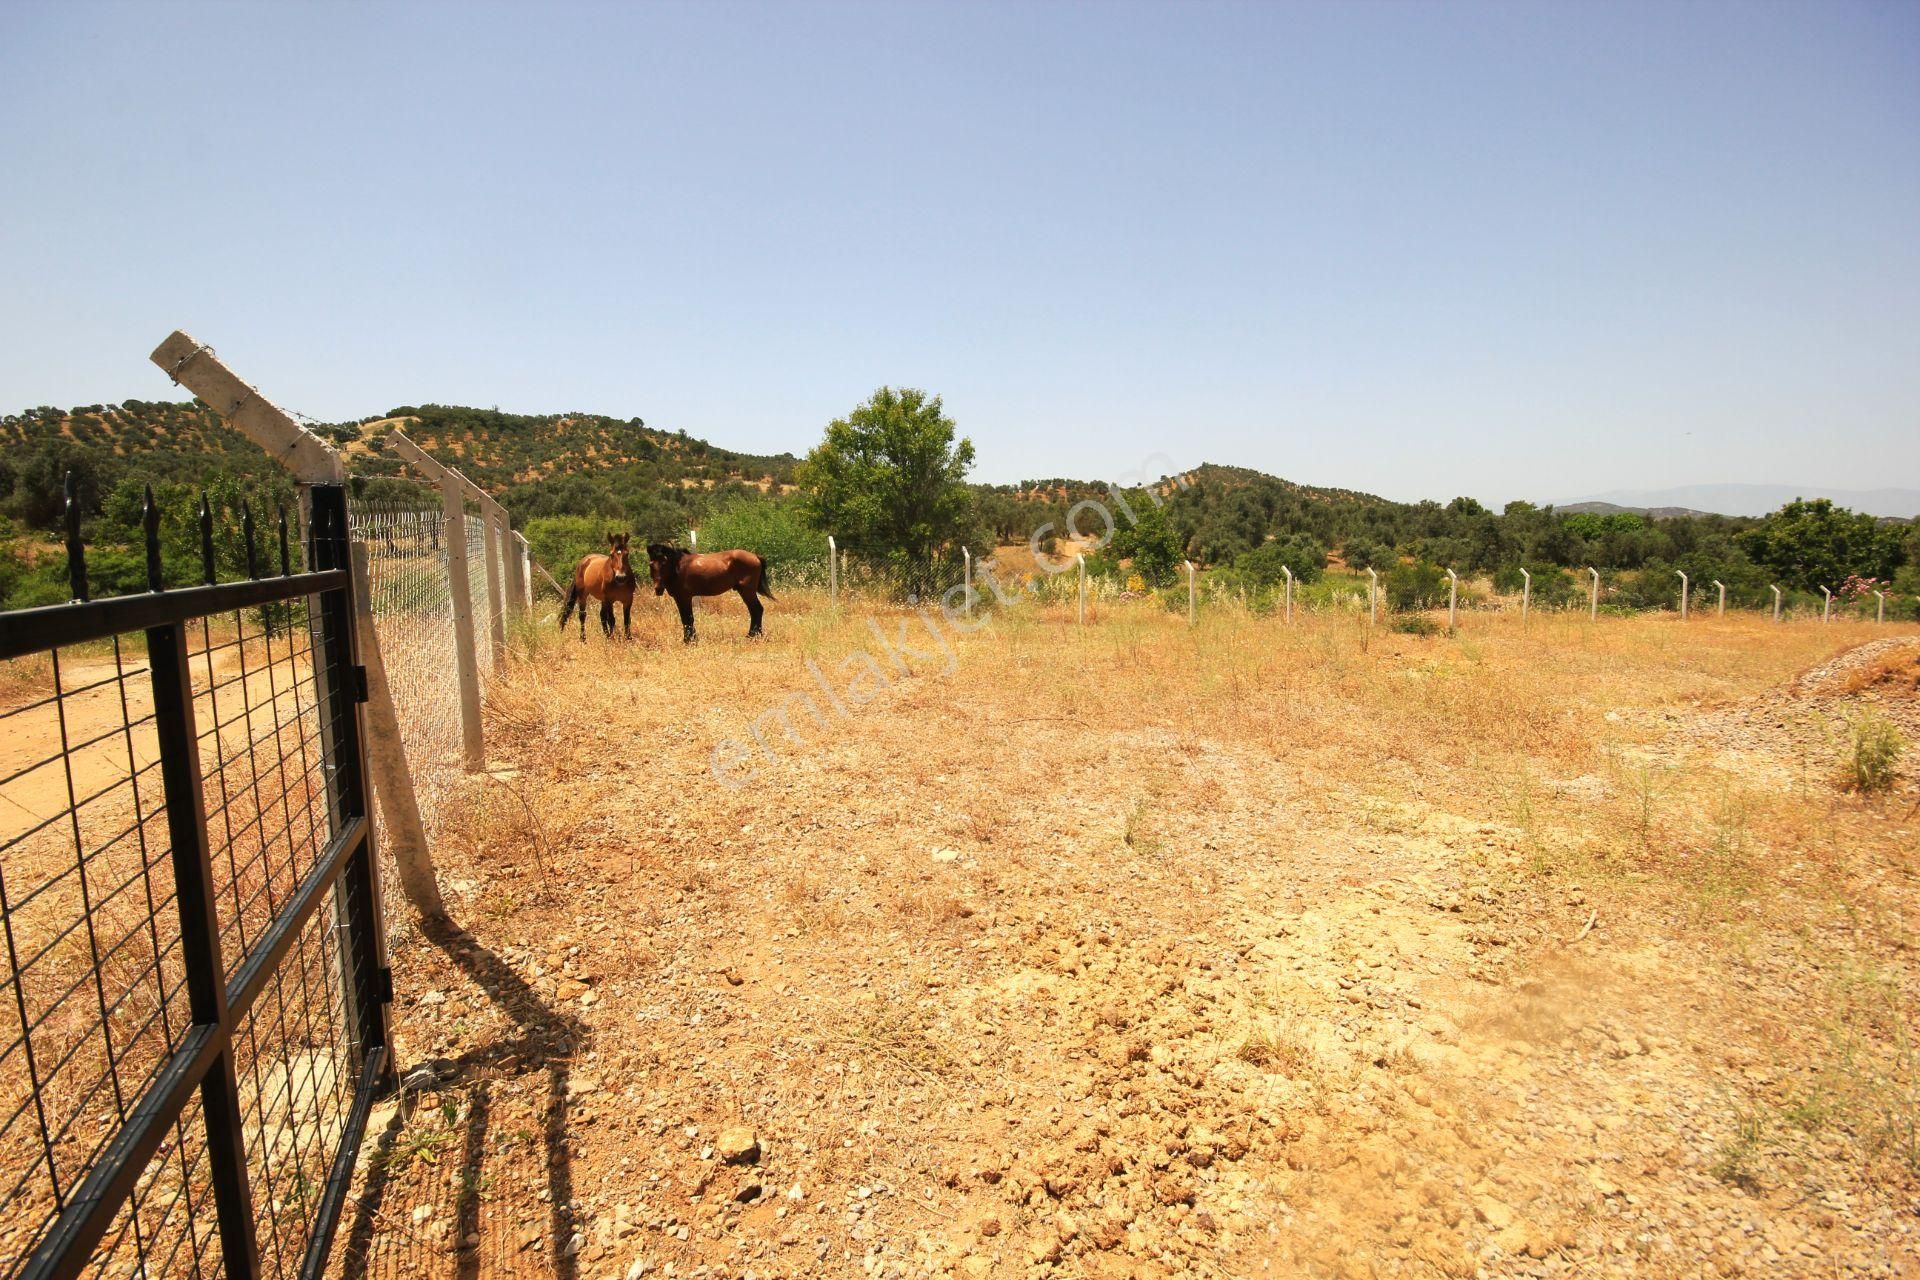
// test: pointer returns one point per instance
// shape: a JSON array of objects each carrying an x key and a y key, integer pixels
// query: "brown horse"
[
  {"x": 607, "y": 578},
  {"x": 684, "y": 574}
]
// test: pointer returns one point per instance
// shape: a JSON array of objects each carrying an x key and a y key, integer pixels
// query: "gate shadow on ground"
[{"x": 404, "y": 1171}]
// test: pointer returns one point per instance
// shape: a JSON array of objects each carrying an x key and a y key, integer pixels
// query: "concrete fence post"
[
  {"x": 1826, "y": 610},
  {"x": 493, "y": 530},
  {"x": 1776, "y": 600},
  {"x": 1373, "y": 597},
  {"x": 966, "y": 580},
  {"x": 1596, "y": 591},
  {"x": 402, "y": 833},
  {"x": 1193, "y": 597},
  {"x": 525, "y": 558},
  {"x": 1453, "y": 599},
  {"x": 453, "y": 505},
  {"x": 1683, "y": 594},
  {"x": 516, "y": 569},
  {"x": 1526, "y": 594},
  {"x": 1083, "y": 588},
  {"x": 1289, "y": 572},
  {"x": 1880, "y": 614},
  {"x": 833, "y": 573},
  {"x": 693, "y": 539},
  {"x": 1720, "y": 609}
]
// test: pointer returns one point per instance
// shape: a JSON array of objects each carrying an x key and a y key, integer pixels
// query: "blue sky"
[{"x": 1509, "y": 250}]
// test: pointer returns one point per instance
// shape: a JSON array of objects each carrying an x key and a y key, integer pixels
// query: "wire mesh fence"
[
  {"x": 855, "y": 574},
  {"x": 409, "y": 573},
  {"x": 183, "y": 1043}
]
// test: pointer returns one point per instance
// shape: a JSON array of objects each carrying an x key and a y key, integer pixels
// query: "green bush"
[
  {"x": 1420, "y": 585},
  {"x": 772, "y": 529},
  {"x": 1553, "y": 587},
  {"x": 1265, "y": 565},
  {"x": 558, "y": 542},
  {"x": 1367, "y": 553}
]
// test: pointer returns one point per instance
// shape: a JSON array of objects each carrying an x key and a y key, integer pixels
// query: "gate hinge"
[
  {"x": 359, "y": 684},
  {"x": 383, "y": 986}
]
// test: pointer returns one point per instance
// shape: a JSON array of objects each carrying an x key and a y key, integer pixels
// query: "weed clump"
[{"x": 1873, "y": 756}]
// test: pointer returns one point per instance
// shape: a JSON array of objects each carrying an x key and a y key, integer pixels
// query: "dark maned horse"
[
  {"x": 684, "y": 574},
  {"x": 607, "y": 578}
]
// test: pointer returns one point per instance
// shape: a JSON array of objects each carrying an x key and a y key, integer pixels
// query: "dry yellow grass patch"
[{"x": 1146, "y": 948}]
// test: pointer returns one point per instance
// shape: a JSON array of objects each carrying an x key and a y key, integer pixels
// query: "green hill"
[{"x": 563, "y": 474}]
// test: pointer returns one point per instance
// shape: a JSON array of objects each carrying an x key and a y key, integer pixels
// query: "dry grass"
[{"x": 1164, "y": 878}]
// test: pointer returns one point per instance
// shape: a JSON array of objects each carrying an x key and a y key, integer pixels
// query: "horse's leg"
[
  {"x": 606, "y": 616},
  {"x": 583, "y": 619},
  {"x": 686, "y": 617},
  {"x": 754, "y": 611},
  {"x": 626, "y": 617}
]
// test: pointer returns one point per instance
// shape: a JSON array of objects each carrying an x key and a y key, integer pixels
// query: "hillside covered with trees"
[{"x": 565, "y": 475}]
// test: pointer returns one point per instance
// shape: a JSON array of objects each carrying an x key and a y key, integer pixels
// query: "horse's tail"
[
  {"x": 566, "y": 610},
  {"x": 762, "y": 588}
]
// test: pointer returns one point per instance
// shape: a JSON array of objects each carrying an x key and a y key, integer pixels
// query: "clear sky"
[{"x": 1508, "y": 250}]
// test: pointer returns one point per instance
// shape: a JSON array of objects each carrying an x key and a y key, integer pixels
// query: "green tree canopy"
[
  {"x": 1264, "y": 564},
  {"x": 1148, "y": 541},
  {"x": 890, "y": 479},
  {"x": 1810, "y": 544}
]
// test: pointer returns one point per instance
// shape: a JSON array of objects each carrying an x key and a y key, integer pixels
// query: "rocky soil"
[{"x": 1169, "y": 1005}]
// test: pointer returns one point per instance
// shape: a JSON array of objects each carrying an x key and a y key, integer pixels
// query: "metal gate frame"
[{"x": 345, "y": 873}]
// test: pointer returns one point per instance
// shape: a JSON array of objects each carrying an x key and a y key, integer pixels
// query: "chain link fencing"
[{"x": 409, "y": 572}]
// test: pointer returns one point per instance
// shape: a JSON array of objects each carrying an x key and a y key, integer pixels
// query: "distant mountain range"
[{"x": 1748, "y": 500}]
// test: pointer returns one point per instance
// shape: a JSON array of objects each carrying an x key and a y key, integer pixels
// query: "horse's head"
[
  {"x": 617, "y": 552},
  {"x": 663, "y": 562}
]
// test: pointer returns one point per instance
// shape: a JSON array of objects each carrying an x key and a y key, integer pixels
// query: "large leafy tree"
[
  {"x": 1149, "y": 542},
  {"x": 890, "y": 479},
  {"x": 1810, "y": 544}
]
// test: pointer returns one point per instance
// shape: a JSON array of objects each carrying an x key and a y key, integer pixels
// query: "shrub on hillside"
[
  {"x": 1553, "y": 587},
  {"x": 1420, "y": 585},
  {"x": 1265, "y": 565},
  {"x": 1367, "y": 553}
]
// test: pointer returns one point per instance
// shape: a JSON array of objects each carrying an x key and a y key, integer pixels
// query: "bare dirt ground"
[{"x": 1147, "y": 951}]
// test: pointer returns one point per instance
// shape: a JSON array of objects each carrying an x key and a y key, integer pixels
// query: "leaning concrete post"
[
  {"x": 1193, "y": 597},
  {"x": 1373, "y": 597},
  {"x": 833, "y": 573},
  {"x": 1596, "y": 591},
  {"x": 1826, "y": 610},
  {"x": 1289, "y": 572},
  {"x": 1776, "y": 600},
  {"x": 693, "y": 539},
  {"x": 1526, "y": 594},
  {"x": 402, "y": 832},
  {"x": 193, "y": 365},
  {"x": 966, "y": 580},
  {"x": 1083, "y": 588},
  {"x": 1720, "y": 610},
  {"x": 1880, "y": 614},
  {"x": 1683, "y": 594},
  {"x": 1453, "y": 598},
  {"x": 466, "y": 663}
]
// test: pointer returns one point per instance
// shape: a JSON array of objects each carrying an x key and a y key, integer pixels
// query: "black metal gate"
[{"x": 193, "y": 1023}]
